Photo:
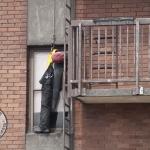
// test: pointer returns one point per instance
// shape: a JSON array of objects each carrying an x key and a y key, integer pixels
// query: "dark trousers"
[{"x": 46, "y": 104}]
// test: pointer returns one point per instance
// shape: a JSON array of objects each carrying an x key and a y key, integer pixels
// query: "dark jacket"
[
  {"x": 51, "y": 86},
  {"x": 57, "y": 83},
  {"x": 55, "y": 72}
]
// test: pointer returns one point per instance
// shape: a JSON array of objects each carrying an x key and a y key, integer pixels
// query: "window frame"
[{"x": 30, "y": 80}]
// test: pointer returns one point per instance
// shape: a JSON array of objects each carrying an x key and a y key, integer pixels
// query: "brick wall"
[
  {"x": 13, "y": 22},
  {"x": 112, "y": 126},
  {"x": 86, "y": 9}
]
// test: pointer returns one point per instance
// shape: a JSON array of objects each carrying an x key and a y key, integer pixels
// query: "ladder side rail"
[{"x": 66, "y": 106}]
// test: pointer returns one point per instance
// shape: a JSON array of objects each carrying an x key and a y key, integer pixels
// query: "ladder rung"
[
  {"x": 68, "y": 21},
  {"x": 67, "y": 148},
  {"x": 66, "y": 85},
  {"x": 108, "y": 37},
  {"x": 67, "y": 119},
  {"x": 103, "y": 52},
  {"x": 67, "y": 133},
  {"x": 67, "y": 105},
  {"x": 68, "y": 6},
  {"x": 103, "y": 67}
]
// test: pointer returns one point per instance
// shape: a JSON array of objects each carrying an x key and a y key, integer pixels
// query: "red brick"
[
  {"x": 13, "y": 29},
  {"x": 110, "y": 1},
  {"x": 7, "y": 25},
  {"x": 122, "y": 1},
  {"x": 14, "y": 4},
  {"x": 99, "y": 10},
  {"x": 3, "y": 29},
  {"x": 81, "y": 7},
  {"x": 14, "y": 12},
  {"x": 7, "y": 92},
  {"x": 117, "y": 6},
  {"x": 21, "y": 8},
  {"x": 13, "y": 38},
  {"x": 100, "y": 2},
  {"x": 7, "y": 16},
  {"x": 121, "y": 10},
  {"x": 8, "y": 8},
  {"x": 3, "y": 21},
  {"x": 7, "y": 42},
  {"x": 92, "y": 15},
  {"x": 13, "y": 20},
  {"x": 14, "y": 47},
  {"x": 12, "y": 146}
]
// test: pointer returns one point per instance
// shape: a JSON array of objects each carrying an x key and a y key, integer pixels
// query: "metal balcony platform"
[
  {"x": 115, "y": 68},
  {"x": 112, "y": 96}
]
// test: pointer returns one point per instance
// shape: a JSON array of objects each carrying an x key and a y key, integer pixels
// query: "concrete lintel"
[{"x": 40, "y": 22}]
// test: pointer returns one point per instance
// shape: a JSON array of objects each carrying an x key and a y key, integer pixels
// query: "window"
[{"x": 37, "y": 66}]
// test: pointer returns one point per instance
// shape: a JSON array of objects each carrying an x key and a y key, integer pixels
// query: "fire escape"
[{"x": 108, "y": 62}]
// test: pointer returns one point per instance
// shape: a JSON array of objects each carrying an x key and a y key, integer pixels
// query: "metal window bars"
[{"x": 109, "y": 53}]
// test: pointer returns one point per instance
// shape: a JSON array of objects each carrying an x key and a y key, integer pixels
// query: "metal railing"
[{"x": 109, "y": 53}]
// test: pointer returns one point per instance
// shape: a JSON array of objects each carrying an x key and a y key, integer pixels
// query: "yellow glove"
[{"x": 50, "y": 57}]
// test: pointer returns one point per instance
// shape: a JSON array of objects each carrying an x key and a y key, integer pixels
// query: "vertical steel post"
[
  {"x": 141, "y": 51},
  {"x": 98, "y": 52},
  {"x": 120, "y": 53},
  {"x": 32, "y": 91},
  {"x": 91, "y": 52},
  {"x": 64, "y": 77},
  {"x": 70, "y": 58},
  {"x": 112, "y": 51},
  {"x": 71, "y": 124},
  {"x": 134, "y": 52},
  {"x": 80, "y": 61},
  {"x": 73, "y": 54},
  {"x": 77, "y": 51},
  {"x": 137, "y": 56},
  {"x": 149, "y": 52},
  {"x": 105, "y": 51},
  {"x": 116, "y": 55},
  {"x": 89, "y": 56},
  {"x": 84, "y": 55},
  {"x": 127, "y": 53}
]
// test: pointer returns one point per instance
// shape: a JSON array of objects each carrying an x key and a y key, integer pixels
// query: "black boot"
[{"x": 37, "y": 129}]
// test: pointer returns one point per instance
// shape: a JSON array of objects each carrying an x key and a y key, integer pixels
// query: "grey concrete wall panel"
[
  {"x": 41, "y": 19},
  {"x": 45, "y": 141}
]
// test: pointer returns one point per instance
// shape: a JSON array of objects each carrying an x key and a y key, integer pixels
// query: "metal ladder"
[{"x": 67, "y": 102}]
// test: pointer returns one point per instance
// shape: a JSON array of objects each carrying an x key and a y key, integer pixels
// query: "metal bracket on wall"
[
  {"x": 84, "y": 91},
  {"x": 139, "y": 91},
  {"x": 76, "y": 93}
]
